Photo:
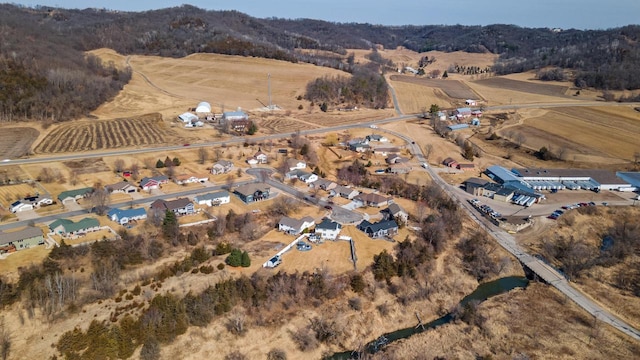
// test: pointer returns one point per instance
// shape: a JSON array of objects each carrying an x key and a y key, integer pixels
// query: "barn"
[{"x": 203, "y": 107}]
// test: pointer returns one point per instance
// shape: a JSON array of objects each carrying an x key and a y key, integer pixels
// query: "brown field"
[
  {"x": 87, "y": 166},
  {"x": 105, "y": 134},
  {"x": 16, "y": 141},
  {"x": 414, "y": 98},
  {"x": 589, "y": 134},
  {"x": 274, "y": 125},
  {"x": 524, "y": 86},
  {"x": 453, "y": 88}
]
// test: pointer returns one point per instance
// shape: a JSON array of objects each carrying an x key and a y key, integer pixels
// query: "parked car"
[
  {"x": 328, "y": 207},
  {"x": 303, "y": 246}
]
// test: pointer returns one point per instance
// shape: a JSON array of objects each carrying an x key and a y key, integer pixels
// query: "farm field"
[
  {"x": 16, "y": 141},
  {"x": 455, "y": 89},
  {"x": 413, "y": 98},
  {"x": 105, "y": 134},
  {"x": 588, "y": 134},
  {"x": 524, "y": 86}
]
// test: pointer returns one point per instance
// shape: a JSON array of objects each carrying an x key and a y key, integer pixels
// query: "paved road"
[
  {"x": 48, "y": 218},
  {"x": 508, "y": 242}
]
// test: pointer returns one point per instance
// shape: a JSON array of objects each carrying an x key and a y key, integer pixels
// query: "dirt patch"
[
  {"x": 16, "y": 142},
  {"x": 106, "y": 134},
  {"x": 453, "y": 88},
  {"x": 87, "y": 166},
  {"x": 524, "y": 86}
]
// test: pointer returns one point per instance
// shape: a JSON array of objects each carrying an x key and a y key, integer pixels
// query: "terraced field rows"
[{"x": 105, "y": 134}]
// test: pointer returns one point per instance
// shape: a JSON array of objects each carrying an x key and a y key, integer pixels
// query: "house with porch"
[
  {"x": 213, "y": 199},
  {"x": 328, "y": 229},
  {"x": 68, "y": 228},
  {"x": 294, "y": 226},
  {"x": 253, "y": 192},
  {"x": 382, "y": 228}
]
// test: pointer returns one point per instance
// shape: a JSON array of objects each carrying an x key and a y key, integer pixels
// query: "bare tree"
[
  {"x": 562, "y": 152},
  {"x": 170, "y": 171},
  {"x": 520, "y": 139},
  {"x": 636, "y": 157},
  {"x": 217, "y": 154},
  {"x": 229, "y": 182},
  {"x": 119, "y": 165},
  {"x": 47, "y": 175},
  {"x": 99, "y": 199},
  {"x": 73, "y": 177},
  {"x": 149, "y": 163},
  {"x": 428, "y": 149},
  {"x": 203, "y": 155},
  {"x": 135, "y": 171},
  {"x": 5, "y": 340}
]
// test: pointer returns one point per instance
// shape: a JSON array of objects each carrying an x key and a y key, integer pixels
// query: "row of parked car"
[
  {"x": 485, "y": 209},
  {"x": 556, "y": 214}
]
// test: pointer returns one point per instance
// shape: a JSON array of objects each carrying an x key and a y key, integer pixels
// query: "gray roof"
[
  {"x": 476, "y": 181},
  {"x": 30, "y": 232},
  {"x": 250, "y": 189},
  {"x": 327, "y": 224},
  {"x": 212, "y": 196},
  {"x": 375, "y": 227},
  {"x": 395, "y": 209}
]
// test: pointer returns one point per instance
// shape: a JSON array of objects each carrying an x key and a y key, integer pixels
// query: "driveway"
[
  {"x": 350, "y": 206},
  {"x": 27, "y": 215}
]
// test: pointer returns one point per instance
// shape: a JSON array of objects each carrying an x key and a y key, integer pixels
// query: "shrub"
[
  {"x": 245, "y": 260},
  {"x": 220, "y": 266},
  {"x": 276, "y": 354},
  {"x": 235, "y": 258},
  {"x": 304, "y": 339},
  {"x": 136, "y": 290},
  {"x": 206, "y": 269},
  {"x": 355, "y": 303}
]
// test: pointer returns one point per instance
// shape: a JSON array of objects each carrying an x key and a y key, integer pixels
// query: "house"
[
  {"x": 395, "y": 212},
  {"x": 38, "y": 200},
  {"x": 323, "y": 184},
  {"x": 150, "y": 183},
  {"x": 359, "y": 147},
  {"x": 213, "y": 199},
  {"x": 476, "y": 113},
  {"x": 395, "y": 159},
  {"x": 294, "y": 226},
  {"x": 123, "y": 217},
  {"x": 261, "y": 157},
  {"x": 179, "y": 206},
  {"x": 191, "y": 179},
  {"x": 294, "y": 174},
  {"x": 73, "y": 195},
  {"x": 462, "y": 112},
  {"x": 21, "y": 239},
  {"x": 466, "y": 167},
  {"x": 385, "y": 150},
  {"x": 399, "y": 169},
  {"x": 293, "y": 164},
  {"x": 470, "y": 102},
  {"x": 450, "y": 162},
  {"x": 253, "y": 192},
  {"x": 380, "y": 229},
  {"x": 221, "y": 167},
  {"x": 475, "y": 186},
  {"x": 252, "y": 161},
  {"x": 345, "y": 192},
  {"x": 308, "y": 178},
  {"x": 328, "y": 229},
  {"x": 20, "y": 206},
  {"x": 376, "y": 137},
  {"x": 372, "y": 199},
  {"x": 68, "y": 228},
  {"x": 122, "y": 187}
]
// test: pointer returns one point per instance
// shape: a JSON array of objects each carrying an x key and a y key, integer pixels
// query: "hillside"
[{"x": 42, "y": 57}]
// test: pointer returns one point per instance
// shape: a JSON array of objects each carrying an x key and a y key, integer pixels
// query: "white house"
[
  {"x": 470, "y": 102},
  {"x": 221, "y": 167},
  {"x": 122, "y": 187},
  {"x": 376, "y": 137},
  {"x": 261, "y": 157},
  {"x": 213, "y": 199},
  {"x": 295, "y": 226},
  {"x": 19, "y": 206},
  {"x": 294, "y": 164},
  {"x": 191, "y": 179},
  {"x": 328, "y": 229},
  {"x": 308, "y": 178},
  {"x": 252, "y": 161}
]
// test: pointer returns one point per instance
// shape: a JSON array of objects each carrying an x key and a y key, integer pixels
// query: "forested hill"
[{"x": 43, "y": 48}]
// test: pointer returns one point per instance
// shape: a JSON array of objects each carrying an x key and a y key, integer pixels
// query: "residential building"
[
  {"x": 399, "y": 168},
  {"x": 328, "y": 229},
  {"x": 122, "y": 187},
  {"x": 372, "y": 199},
  {"x": 376, "y": 137},
  {"x": 20, "y": 206},
  {"x": 308, "y": 178},
  {"x": 30, "y": 203},
  {"x": 68, "y": 228},
  {"x": 323, "y": 184},
  {"x": 261, "y": 157},
  {"x": 151, "y": 183},
  {"x": 295, "y": 226},
  {"x": 252, "y": 161},
  {"x": 179, "y": 206},
  {"x": 221, "y": 167},
  {"x": 21, "y": 239},
  {"x": 294, "y": 164},
  {"x": 253, "y": 192},
  {"x": 73, "y": 195},
  {"x": 383, "y": 228},
  {"x": 395, "y": 212},
  {"x": 213, "y": 199},
  {"x": 345, "y": 192},
  {"x": 191, "y": 179},
  {"x": 395, "y": 159},
  {"x": 359, "y": 147},
  {"x": 125, "y": 216}
]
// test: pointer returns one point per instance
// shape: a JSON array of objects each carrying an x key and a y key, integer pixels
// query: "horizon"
[{"x": 589, "y": 15}]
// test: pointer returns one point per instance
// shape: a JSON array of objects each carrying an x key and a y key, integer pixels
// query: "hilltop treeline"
[{"x": 45, "y": 73}]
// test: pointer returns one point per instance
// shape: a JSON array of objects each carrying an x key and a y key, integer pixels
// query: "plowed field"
[
  {"x": 105, "y": 134},
  {"x": 15, "y": 142}
]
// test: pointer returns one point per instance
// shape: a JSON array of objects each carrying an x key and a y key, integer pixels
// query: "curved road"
[{"x": 508, "y": 242}]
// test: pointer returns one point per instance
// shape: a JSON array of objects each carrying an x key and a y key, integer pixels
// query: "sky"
[{"x": 565, "y": 14}]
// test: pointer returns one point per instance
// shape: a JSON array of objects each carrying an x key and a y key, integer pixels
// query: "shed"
[
  {"x": 455, "y": 127},
  {"x": 203, "y": 107}
]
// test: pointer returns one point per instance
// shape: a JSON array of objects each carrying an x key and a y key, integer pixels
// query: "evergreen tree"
[
  {"x": 175, "y": 161},
  {"x": 445, "y": 75},
  {"x": 170, "y": 225},
  {"x": 253, "y": 128},
  {"x": 159, "y": 164},
  {"x": 234, "y": 258},
  {"x": 245, "y": 260},
  {"x": 304, "y": 150},
  {"x": 168, "y": 162}
]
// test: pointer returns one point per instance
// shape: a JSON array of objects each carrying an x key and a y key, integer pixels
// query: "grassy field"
[
  {"x": 455, "y": 89},
  {"x": 16, "y": 141},
  {"x": 541, "y": 88}
]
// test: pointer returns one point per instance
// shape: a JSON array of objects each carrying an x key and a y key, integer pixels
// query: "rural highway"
[{"x": 508, "y": 242}]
